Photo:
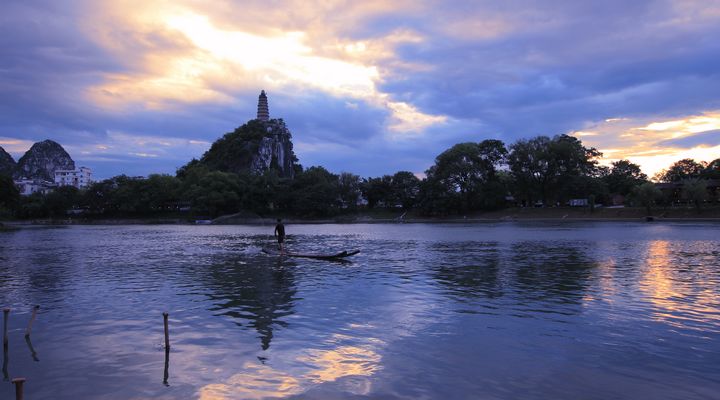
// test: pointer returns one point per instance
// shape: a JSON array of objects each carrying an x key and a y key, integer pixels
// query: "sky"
[{"x": 373, "y": 87}]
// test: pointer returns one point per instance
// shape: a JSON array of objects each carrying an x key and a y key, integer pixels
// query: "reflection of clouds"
[
  {"x": 605, "y": 277},
  {"x": 319, "y": 366},
  {"x": 347, "y": 361},
  {"x": 680, "y": 302},
  {"x": 331, "y": 365},
  {"x": 255, "y": 382}
]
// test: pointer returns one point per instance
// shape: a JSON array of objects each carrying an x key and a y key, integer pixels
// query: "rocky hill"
[
  {"x": 7, "y": 164},
  {"x": 255, "y": 147},
  {"x": 42, "y": 160}
]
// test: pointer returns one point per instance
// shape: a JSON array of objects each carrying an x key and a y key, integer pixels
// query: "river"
[{"x": 604, "y": 310}]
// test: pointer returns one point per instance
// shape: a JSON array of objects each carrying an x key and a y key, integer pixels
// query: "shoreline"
[{"x": 558, "y": 215}]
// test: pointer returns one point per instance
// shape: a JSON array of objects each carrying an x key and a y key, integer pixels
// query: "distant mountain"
[
  {"x": 42, "y": 160},
  {"x": 255, "y": 147},
  {"x": 7, "y": 164}
]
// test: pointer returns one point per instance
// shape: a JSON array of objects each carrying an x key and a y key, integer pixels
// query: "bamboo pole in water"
[
  {"x": 32, "y": 319},
  {"x": 6, "y": 311},
  {"x": 18, "y": 382},
  {"x": 167, "y": 333},
  {"x": 166, "y": 372}
]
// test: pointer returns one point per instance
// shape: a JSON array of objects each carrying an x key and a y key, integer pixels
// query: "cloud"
[
  {"x": 655, "y": 144},
  {"x": 281, "y": 60},
  {"x": 704, "y": 139},
  {"x": 377, "y": 83}
]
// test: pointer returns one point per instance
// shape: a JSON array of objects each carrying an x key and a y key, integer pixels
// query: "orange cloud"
[
  {"x": 648, "y": 143},
  {"x": 180, "y": 53}
]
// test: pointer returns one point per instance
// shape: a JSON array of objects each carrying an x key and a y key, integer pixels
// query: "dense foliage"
[{"x": 468, "y": 177}]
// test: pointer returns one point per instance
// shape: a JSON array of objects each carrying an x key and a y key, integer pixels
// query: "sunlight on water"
[{"x": 500, "y": 311}]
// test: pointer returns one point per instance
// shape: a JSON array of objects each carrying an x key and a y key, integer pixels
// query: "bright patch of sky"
[{"x": 140, "y": 87}]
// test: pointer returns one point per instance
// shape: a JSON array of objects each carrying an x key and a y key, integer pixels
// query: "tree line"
[{"x": 468, "y": 177}]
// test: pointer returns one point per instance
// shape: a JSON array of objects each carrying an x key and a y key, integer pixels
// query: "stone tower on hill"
[
  {"x": 260, "y": 145},
  {"x": 263, "y": 113}
]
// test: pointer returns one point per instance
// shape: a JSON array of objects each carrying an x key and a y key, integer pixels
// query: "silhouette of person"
[{"x": 280, "y": 234}]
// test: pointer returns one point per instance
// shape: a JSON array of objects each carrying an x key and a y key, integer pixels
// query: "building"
[
  {"x": 263, "y": 113},
  {"x": 80, "y": 178},
  {"x": 26, "y": 187}
]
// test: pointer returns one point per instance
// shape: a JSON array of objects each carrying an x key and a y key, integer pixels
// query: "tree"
[
  {"x": 572, "y": 163},
  {"x": 623, "y": 177},
  {"x": 9, "y": 196},
  {"x": 33, "y": 206},
  {"x": 405, "y": 189},
  {"x": 712, "y": 170},
  {"x": 646, "y": 194},
  {"x": 695, "y": 190},
  {"x": 465, "y": 168},
  {"x": 377, "y": 191},
  {"x": 528, "y": 161},
  {"x": 160, "y": 193},
  {"x": 349, "y": 188},
  {"x": 61, "y": 199},
  {"x": 213, "y": 193},
  {"x": 684, "y": 169},
  {"x": 261, "y": 193},
  {"x": 548, "y": 169},
  {"x": 435, "y": 199},
  {"x": 315, "y": 192}
]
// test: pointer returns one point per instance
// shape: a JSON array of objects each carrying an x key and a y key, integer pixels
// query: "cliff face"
[
  {"x": 7, "y": 164},
  {"x": 275, "y": 151},
  {"x": 255, "y": 147},
  {"x": 42, "y": 160}
]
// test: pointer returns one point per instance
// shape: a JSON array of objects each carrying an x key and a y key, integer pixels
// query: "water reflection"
[
  {"x": 677, "y": 300},
  {"x": 166, "y": 370},
  {"x": 531, "y": 270},
  {"x": 33, "y": 353},
  {"x": 6, "y": 361},
  {"x": 259, "y": 292},
  {"x": 557, "y": 272},
  {"x": 468, "y": 269},
  {"x": 314, "y": 367},
  {"x": 256, "y": 381},
  {"x": 500, "y": 311}
]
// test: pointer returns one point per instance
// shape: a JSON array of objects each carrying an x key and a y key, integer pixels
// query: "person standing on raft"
[{"x": 280, "y": 235}]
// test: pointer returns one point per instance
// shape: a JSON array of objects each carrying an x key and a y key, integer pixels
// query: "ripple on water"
[{"x": 446, "y": 310}]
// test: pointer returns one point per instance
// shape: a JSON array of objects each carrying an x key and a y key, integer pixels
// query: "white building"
[
  {"x": 30, "y": 186},
  {"x": 79, "y": 178}
]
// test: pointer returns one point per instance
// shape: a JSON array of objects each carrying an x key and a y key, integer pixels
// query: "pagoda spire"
[{"x": 263, "y": 114}]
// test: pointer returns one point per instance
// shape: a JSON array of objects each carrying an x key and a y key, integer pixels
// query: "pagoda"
[{"x": 263, "y": 114}]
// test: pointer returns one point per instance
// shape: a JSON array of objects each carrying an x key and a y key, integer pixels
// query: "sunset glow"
[{"x": 365, "y": 76}]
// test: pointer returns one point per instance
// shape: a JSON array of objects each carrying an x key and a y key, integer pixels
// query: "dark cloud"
[
  {"x": 317, "y": 117},
  {"x": 707, "y": 138},
  {"x": 501, "y": 70},
  {"x": 572, "y": 63}
]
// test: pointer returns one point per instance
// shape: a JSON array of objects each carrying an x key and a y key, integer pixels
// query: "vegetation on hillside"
[{"x": 465, "y": 178}]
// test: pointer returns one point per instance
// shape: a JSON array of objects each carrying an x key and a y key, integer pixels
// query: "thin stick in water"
[
  {"x": 32, "y": 319},
  {"x": 18, "y": 382},
  {"x": 33, "y": 353},
  {"x": 167, "y": 333},
  {"x": 166, "y": 372},
  {"x": 6, "y": 311},
  {"x": 6, "y": 360}
]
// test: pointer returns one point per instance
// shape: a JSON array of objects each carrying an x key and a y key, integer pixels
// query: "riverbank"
[{"x": 558, "y": 214}]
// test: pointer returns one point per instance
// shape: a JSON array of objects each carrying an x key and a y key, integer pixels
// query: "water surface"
[{"x": 484, "y": 311}]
